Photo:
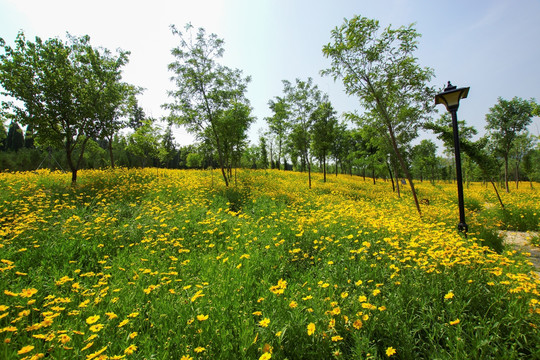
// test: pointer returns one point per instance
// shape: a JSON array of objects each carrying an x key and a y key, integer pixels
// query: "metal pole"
[{"x": 462, "y": 226}]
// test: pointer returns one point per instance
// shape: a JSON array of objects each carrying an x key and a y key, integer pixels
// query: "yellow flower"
[
  {"x": 64, "y": 338},
  {"x": 258, "y": 313},
  {"x": 357, "y": 324},
  {"x": 28, "y": 292},
  {"x": 96, "y": 328},
  {"x": 111, "y": 315},
  {"x": 25, "y": 349},
  {"x": 449, "y": 295},
  {"x": 87, "y": 346},
  {"x": 124, "y": 322},
  {"x": 293, "y": 304},
  {"x": 186, "y": 357},
  {"x": 199, "y": 349},
  {"x": 92, "y": 319},
  {"x": 336, "y": 338},
  {"x": 310, "y": 329},
  {"x": 264, "y": 322},
  {"x": 202, "y": 317},
  {"x": 454, "y": 322},
  {"x": 265, "y": 356},
  {"x": 390, "y": 351},
  {"x": 96, "y": 354},
  {"x": 133, "y": 335},
  {"x": 130, "y": 349},
  {"x": 362, "y": 298}
]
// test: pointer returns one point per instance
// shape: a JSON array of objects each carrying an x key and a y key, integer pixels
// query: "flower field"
[{"x": 169, "y": 264}]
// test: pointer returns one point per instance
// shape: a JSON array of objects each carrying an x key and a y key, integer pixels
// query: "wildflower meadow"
[{"x": 171, "y": 264}]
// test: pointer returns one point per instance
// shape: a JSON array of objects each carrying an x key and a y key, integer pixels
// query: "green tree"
[
  {"x": 59, "y": 92},
  {"x": 381, "y": 70},
  {"x": 3, "y": 135},
  {"x": 424, "y": 158},
  {"x": 323, "y": 130},
  {"x": 145, "y": 142},
  {"x": 15, "y": 137},
  {"x": 263, "y": 153},
  {"x": 303, "y": 98},
  {"x": 507, "y": 120},
  {"x": 279, "y": 124},
  {"x": 205, "y": 90},
  {"x": 232, "y": 126}
]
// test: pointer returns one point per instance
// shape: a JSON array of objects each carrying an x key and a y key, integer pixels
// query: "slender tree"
[
  {"x": 279, "y": 124},
  {"x": 303, "y": 98},
  {"x": 381, "y": 70},
  {"x": 323, "y": 129},
  {"x": 506, "y": 121},
  {"x": 205, "y": 90}
]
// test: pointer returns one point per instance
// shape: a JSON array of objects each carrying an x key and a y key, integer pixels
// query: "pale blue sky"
[{"x": 490, "y": 46}]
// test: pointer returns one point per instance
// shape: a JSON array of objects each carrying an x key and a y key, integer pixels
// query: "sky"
[{"x": 490, "y": 46}]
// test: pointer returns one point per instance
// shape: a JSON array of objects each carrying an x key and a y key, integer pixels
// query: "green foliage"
[
  {"x": 210, "y": 98},
  {"x": 67, "y": 92},
  {"x": 506, "y": 121},
  {"x": 379, "y": 68}
]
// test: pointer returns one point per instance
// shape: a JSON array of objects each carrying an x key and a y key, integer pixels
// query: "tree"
[
  {"x": 59, "y": 92},
  {"x": 108, "y": 95},
  {"x": 507, "y": 120},
  {"x": 383, "y": 73},
  {"x": 323, "y": 130},
  {"x": 145, "y": 141},
  {"x": 279, "y": 124},
  {"x": 303, "y": 98},
  {"x": 3, "y": 135},
  {"x": 206, "y": 90},
  {"x": 15, "y": 137},
  {"x": 263, "y": 153},
  {"x": 425, "y": 158}
]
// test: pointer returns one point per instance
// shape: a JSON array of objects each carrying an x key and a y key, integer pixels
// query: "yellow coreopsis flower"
[
  {"x": 25, "y": 349},
  {"x": 202, "y": 317},
  {"x": 92, "y": 319},
  {"x": 130, "y": 349},
  {"x": 264, "y": 322},
  {"x": 310, "y": 329},
  {"x": 390, "y": 351}
]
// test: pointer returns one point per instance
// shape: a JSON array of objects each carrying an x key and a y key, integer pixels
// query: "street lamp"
[{"x": 450, "y": 98}]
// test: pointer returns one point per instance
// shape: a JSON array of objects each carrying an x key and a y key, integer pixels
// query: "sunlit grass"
[{"x": 169, "y": 264}]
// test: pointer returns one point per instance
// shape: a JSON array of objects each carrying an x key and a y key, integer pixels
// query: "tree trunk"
[
  {"x": 404, "y": 168},
  {"x": 497, "y": 192},
  {"x": 324, "y": 168},
  {"x": 111, "y": 153},
  {"x": 517, "y": 175},
  {"x": 397, "y": 184},
  {"x": 506, "y": 173},
  {"x": 391, "y": 177}
]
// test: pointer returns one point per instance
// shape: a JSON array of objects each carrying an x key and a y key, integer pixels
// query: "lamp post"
[{"x": 450, "y": 98}]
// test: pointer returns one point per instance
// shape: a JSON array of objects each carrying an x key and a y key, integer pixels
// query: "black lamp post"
[{"x": 450, "y": 98}]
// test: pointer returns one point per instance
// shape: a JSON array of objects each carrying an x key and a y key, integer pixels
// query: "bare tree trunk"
[
  {"x": 497, "y": 192},
  {"x": 506, "y": 173}
]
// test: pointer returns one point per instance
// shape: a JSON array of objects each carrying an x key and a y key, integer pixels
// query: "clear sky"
[{"x": 489, "y": 45}]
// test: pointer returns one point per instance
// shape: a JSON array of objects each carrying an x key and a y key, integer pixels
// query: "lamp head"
[{"x": 450, "y": 96}]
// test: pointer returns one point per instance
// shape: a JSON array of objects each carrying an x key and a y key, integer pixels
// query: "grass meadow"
[{"x": 170, "y": 264}]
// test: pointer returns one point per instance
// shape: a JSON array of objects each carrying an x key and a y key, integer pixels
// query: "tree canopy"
[
  {"x": 380, "y": 69},
  {"x": 67, "y": 91},
  {"x": 208, "y": 95}
]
